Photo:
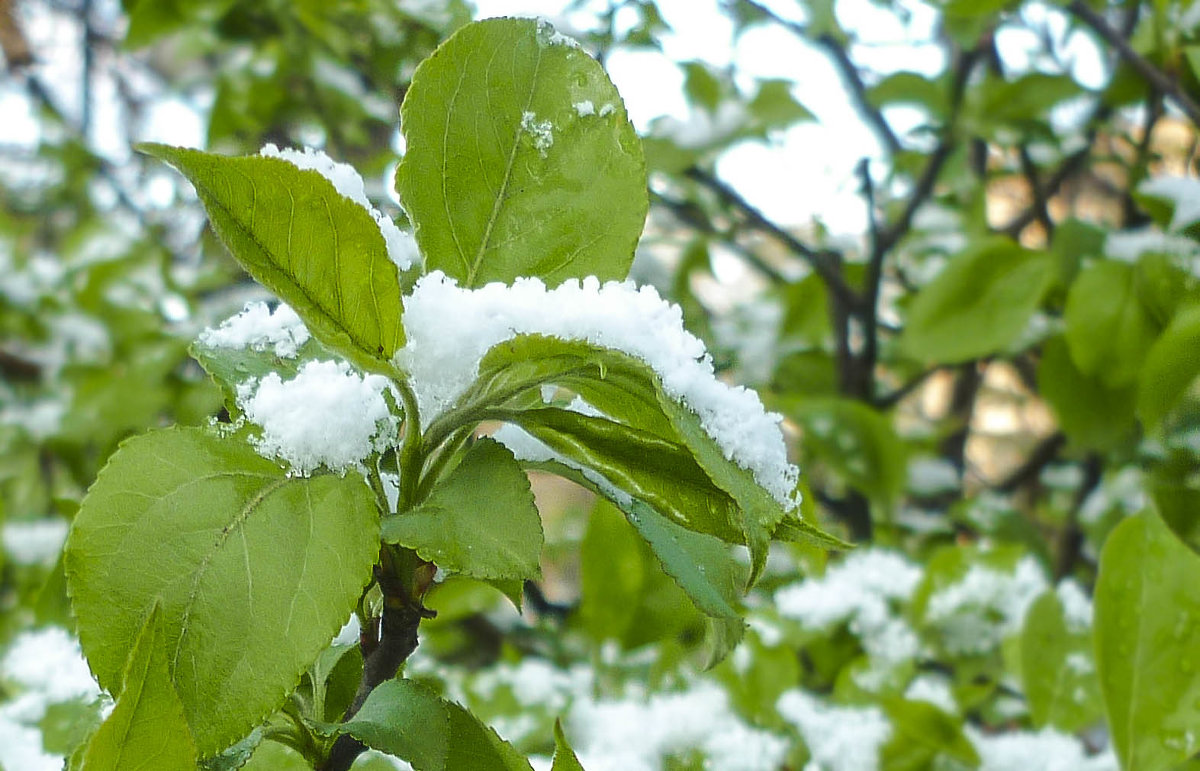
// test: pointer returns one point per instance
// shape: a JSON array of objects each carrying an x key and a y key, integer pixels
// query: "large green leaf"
[
  {"x": 1058, "y": 673},
  {"x": 480, "y": 520},
  {"x": 1109, "y": 328},
  {"x": 979, "y": 304},
  {"x": 1171, "y": 366},
  {"x": 254, "y": 570},
  {"x": 1147, "y": 638},
  {"x": 298, "y": 236},
  {"x": 147, "y": 729},
  {"x": 924, "y": 737},
  {"x": 404, "y": 719},
  {"x": 1093, "y": 415},
  {"x": 520, "y": 159}
]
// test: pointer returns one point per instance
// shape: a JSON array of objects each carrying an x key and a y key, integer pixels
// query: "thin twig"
[
  {"x": 1041, "y": 456},
  {"x": 1152, "y": 74},
  {"x": 822, "y": 262},
  {"x": 1041, "y": 207}
]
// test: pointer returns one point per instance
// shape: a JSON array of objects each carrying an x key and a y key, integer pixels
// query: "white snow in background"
[
  {"x": 859, "y": 587},
  {"x": 1077, "y": 606},
  {"x": 935, "y": 689},
  {"x": 986, "y": 605},
  {"x": 258, "y": 328},
  {"x": 1129, "y": 245},
  {"x": 401, "y": 246},
  {"x": 47, "y": 668},
  {"x": 40, "y": 419},
  {"x": 1182, "y": 192},
  {"x": 838, "y": 738},
  {"x": 859, "y": 592},
  {"x": 636, "y": 735},
  {"x": 930, "y": 476},
  {"x": 704, "y": 128},
  {"x": 450, "y": 329},
  {"x": 1046, "y": 750},
  {"x": 327, "y": 415},
  {"x": 34, "y": 542}
]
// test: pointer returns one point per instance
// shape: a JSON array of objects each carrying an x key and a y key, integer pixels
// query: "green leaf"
[
  {"x": 564, "y": 756},
  {"x": 1108, "y": 328},
  {"x": 979, "y": 304},
  {"x": 1093, "y": 415},
  {"x": 235, "y": 757},
  {"x": 1171, "y": 366},
  {"x": 506, "y": 172},
  {"x": 404, "y": 719},
  {"x": 661, "y": 473},
  {"x": 857, "y": 442},
  {"x": 239, "y": 555},
  {"x": 147, "y": 728},
  {"x": 700, "y": 564},
  {"x": 1058, "y": 673},
  {"x": 775, "y": 107},
  {"x": 911, "y": 88},
  {"x": 1147, "y": 638},
  {"x": 612, "y": 574},
  {"x": 320, "y": 252},
  {"x": 480, "y": 520},
  {"x": 921, "y": 735}
]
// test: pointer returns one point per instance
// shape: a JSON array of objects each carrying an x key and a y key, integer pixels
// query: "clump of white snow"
[
  {"x": 401, "y": 247},
  {"x": 859, "y": 591},
  {"x": 1046, "y": 750},
  {"x": 977, "y": 612},
  {"x": 450, "y": 329},
  {"x": 636, "y": 735},
  {"x": 35, "y": 542},
  {"x": 584, "y": 108},
  {"x": 328, "y": 415},
  {"x": 258, "y": 328},
  {"x": 838, "y": 738}
]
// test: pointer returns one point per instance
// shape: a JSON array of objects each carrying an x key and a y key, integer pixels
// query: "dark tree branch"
[
  {"x": 1041, "y": 207},
  {"x": 824, "y": 263},
  {"x": 13, "y": 42},
  {"x": 1153, "y": 75},
  {"x": 847, "y": 71},
  {"x": 1029, "y": 471},
  {"x": 692, "y": 215}
]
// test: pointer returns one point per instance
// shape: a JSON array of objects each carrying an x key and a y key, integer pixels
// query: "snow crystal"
[
  {"x": 450, "y": 329},
  {"x": 257, "y": 328},
  {"x": 1183, "y": 192},
  {"x": 35, "y": 542},
  {"x": 608, "y": 109},
  {"x": 585, "y": 108},
  {"x": 1077, "y": 606},
  {"x": 1046, "y": 750},
  {"x": 986, "y": 605},
  {"x": 838, "y": 738},
  {"x": 634, "y": 735},
  {"x": 401, "y": 246},
  {"x": 327, "y": 415},
  {"x": 542, "y": 131}
]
